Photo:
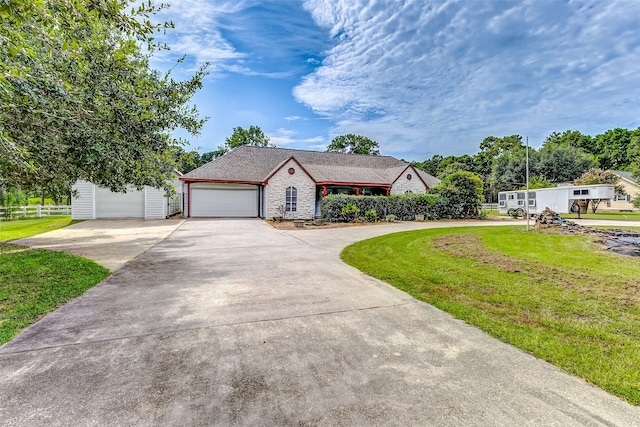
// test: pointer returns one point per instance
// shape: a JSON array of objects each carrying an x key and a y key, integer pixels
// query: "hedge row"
[{"x": 404, "y": 207}]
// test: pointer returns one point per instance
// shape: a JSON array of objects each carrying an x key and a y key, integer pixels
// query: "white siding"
[
  {"x": 83, "y": 204},
  {"x": 155, "y": 204},
  {"x": 119, "y": 205},
  {"x": 403, "y": 184},
  {"x": 275, "y": 192}
]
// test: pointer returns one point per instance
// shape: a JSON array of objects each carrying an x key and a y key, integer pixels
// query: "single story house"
[
  {"x": 630, "y": 189},
  {"x": 90, "y": 201},
  {"x": 277, "y": 182}
]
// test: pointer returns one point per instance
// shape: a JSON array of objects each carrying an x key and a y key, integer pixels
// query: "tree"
[
  {"x": 464, "y": 191},
  {"x": 430, "y": 166},
  {"x": 492, "y": 148},
  {"x": 536, "y": 182},
  {"x": 451, "y": 164},
  {"x": 572, "y": 138},
  {"x": 240, "y": 136},
  {"x": 509, "y": 169},
  {"x": 611, "y": 149},
  {"x": 563, "y": 163},
  {"x": 78, "y": 99},
  {"x": 355, "y": 144},
  {"x": 634, "y": 154},
  {"x": 599, "y": 176}
]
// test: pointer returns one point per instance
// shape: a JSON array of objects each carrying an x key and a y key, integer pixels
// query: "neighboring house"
[
  {"x": 275, "y": 182},
  {"x": 631, "y": 188},
  {"x": 93, "y": 202}
]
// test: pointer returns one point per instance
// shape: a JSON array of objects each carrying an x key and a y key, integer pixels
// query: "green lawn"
[
  {"x": 561, "y": 298},
  {"x": 19, "y": 229},
  {"x": 619, "y": 216},
  {"x": 34, "y": 282}
]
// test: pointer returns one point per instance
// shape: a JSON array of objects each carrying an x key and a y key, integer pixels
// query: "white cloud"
[
  {"x": 423, "y": 77},
  {"x": 294, "y": 118},
  {"x": 287, "y": 137}
]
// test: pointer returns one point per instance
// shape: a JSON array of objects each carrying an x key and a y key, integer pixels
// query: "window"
[
  {"x": 576, "y": 192},
  {"x": 584, "y": 191},
  {"x": 532, "y": 202},
  {"x": 292, "y": 199},
  {"x": 512, "y": 196},
  {"x": 622, "y": 197},
  {"x": 502, "y": 203},
  {"x": 520, "y": 202}
]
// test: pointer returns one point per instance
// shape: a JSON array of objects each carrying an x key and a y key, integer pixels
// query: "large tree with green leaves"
[
  {"x": 572, "y": 138},
  {"x": 563, "y": 163},
  {"x": 79, "y": 100},
  {"x": 241, "y": 136},
  {"x": 354, "y": 144}
]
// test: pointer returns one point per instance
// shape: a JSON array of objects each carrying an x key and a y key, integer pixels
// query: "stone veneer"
[
  {"x": 275, "y": 192},
  {"x": 402, "y": 184}
]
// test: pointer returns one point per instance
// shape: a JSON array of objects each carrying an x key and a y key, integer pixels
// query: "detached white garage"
[
  {"x": 224, "y": 200},
  {"x": 93, "y": 202}
]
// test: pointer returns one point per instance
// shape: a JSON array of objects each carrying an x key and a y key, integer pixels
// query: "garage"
[
  {"x": 119, "y": 205},
  {"x": 224, "y": 200}
]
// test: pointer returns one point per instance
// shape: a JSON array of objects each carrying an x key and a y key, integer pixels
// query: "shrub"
[
  {"x": 404, "y": 207},
  {"x": 371, "y": 215},
  {"x": 350, "y": 212}
]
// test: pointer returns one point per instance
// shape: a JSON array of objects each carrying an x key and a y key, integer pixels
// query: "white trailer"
[{"x": 572, "y": 198}]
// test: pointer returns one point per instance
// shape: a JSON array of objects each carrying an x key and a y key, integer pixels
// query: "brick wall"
[{"x": 275, "y": 192}]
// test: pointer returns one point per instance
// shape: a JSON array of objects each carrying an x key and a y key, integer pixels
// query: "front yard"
[
  {"x": 561, "y": 298},
  {"x": 34, "y": 282}
]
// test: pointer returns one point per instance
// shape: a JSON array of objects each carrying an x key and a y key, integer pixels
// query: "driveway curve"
[{"x": 231, "y": 322}]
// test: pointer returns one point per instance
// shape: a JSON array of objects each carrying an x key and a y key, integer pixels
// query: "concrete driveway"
[
  {"x": 231, "y": 322},
  {"x": 111, "y": 243}
]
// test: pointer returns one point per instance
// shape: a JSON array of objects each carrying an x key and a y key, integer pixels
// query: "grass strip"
[
  {"x": 34, "y": 282},
  {"x": 19, "y": 229},
  {"x": 562, "y": 298}
]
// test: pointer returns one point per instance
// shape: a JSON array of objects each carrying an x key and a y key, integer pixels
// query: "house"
[
  {"x": 631, "y": 188},
  {"x": 276, "y": 182},
  {"x": 90, "y": 201}
]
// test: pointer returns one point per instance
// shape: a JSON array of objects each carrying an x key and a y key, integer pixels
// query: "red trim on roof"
[
  {"x": 275, "y": 171},
  {"x": 220, "y": 181},
  {"x": 361, "y": 184}
]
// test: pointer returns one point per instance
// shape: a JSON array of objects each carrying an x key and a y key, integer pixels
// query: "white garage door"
[
  {"x": 119, "y": 205},
  {"x": 224, "y": 201}
]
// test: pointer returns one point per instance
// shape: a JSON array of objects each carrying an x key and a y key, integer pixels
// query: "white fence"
[{"x": 15, "y": 212}]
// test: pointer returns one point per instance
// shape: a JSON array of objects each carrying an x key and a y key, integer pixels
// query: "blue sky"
[{"x": 419, "y": 77}]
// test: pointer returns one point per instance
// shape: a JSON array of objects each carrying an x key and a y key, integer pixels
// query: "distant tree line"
[
  {"x": 349, "y": 143},
  {"x": 563, "y": 157}
]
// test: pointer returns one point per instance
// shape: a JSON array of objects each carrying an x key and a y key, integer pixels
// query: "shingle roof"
[
  {"x": 626, "y": 175},
  {"x": 255, "y": 165}
]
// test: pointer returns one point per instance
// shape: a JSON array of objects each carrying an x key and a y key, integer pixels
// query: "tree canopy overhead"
[
  {"x": 354, "y": 144},
  {"x": 79, "y": 100}
]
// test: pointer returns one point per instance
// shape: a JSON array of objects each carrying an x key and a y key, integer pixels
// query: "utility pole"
[{"x": 527, "y": 192}]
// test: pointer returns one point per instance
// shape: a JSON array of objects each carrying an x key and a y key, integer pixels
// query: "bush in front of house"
[
  {"x": 459, "y": 195},
  {"x": 404, "y": 207}
]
